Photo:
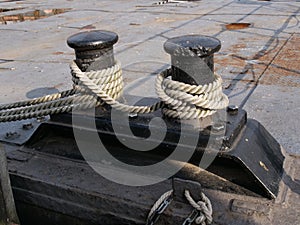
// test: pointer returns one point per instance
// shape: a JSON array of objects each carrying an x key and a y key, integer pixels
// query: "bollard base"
[
  {"x": 61, "y": 191},
  {"x": 248, "y": 155},
  {"x": 51, "y": 178}
]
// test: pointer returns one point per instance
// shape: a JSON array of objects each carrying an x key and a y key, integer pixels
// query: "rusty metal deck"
[{"x": 259, "y": 62}]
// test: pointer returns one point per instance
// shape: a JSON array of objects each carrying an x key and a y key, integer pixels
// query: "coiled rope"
[{"x": 94, "y": 88}]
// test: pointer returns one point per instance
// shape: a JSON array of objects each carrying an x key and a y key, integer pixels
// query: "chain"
[
  {"x": 191, "y": 218},
  {"x": 203, "y": 207},
  {"x": 152, "y": 219}
]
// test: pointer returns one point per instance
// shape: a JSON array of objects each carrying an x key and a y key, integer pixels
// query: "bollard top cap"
[
  {"x": 192, "y": 45},
  {"x": 89, "y": 40}
]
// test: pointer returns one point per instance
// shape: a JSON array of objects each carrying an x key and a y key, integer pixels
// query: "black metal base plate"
[{"x": 249, "y": 156}]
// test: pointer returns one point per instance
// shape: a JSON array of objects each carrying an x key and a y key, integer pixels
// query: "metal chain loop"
[
  {"x": 159, "y": 207},
  {"x": 203, "y": 213},
  {"x": 192, "y": 217}
]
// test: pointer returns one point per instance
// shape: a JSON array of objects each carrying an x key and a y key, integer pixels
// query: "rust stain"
[
  {"x": 230, "y": 60},
  {"x": 164, "y": 20},
  {"x": 239, "y": 62},
  {"x": 32, "y": 15},
  {"x": 285, "y": 68},
  {"x": 237, "y": 65},
  {"x": 237, "y": 69},
  {"x": 265, "y": 55},
  {"x": 56, "y": 86},
  {"x": 239, "y": 46},
  {"x": 174, "y": 18},
  {"x": 57, "y": 53},
  {"x": 88, "y": 27},
  {"x": 289, "y": 56},
  {"x": 280, "y": 77},
  {"x": 237, "y": 26}
]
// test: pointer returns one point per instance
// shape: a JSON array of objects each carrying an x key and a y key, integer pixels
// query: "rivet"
[
  {"x": 12, "y": 135},
  {"x": 27, "y": 126}
]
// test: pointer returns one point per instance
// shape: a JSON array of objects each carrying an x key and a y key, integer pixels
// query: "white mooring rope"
[{"x": 178, "y": 100}]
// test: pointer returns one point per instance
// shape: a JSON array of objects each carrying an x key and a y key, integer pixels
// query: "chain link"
[
  {"x": 156, "y": 214},
  {"x": 191, "y": 218}
]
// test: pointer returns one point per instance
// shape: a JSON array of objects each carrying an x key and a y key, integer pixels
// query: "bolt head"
[
  {"x": 41, "y": 119},
  {"x": 218, "y": 127},
  {"x": 133, "y": 115},
  {"x": 192, "y": 45},
  {"x": 12, "y": 135},
  {"x": 27, "y": 126},
  {"x": 233, "y": 109},
  {"x": 90, "y": 40}
]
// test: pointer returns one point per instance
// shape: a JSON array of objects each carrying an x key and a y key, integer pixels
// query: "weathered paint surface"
[
  {"x": 259, "y": 65},
  {"x": 263, "y": 54}
]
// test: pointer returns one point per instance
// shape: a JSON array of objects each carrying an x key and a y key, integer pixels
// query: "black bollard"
[
  {"x": 94, "y": 49},
  {"x": 192, "y": 58}
]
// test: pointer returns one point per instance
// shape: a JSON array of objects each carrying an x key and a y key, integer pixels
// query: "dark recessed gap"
[
  {"x": 8, "y": 10},
  {"x": 11, "y": 1},
  {"x": 5, "y": 60}
]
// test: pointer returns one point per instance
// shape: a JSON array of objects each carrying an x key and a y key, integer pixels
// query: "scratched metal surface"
[{"x": 259, "y": 64}]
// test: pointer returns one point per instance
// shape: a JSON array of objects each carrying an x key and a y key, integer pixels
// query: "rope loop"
[
  {"x": 94, "y": 88},
  {"x": 203, "y": 206},
  {"x": 186, "y": 101}
]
